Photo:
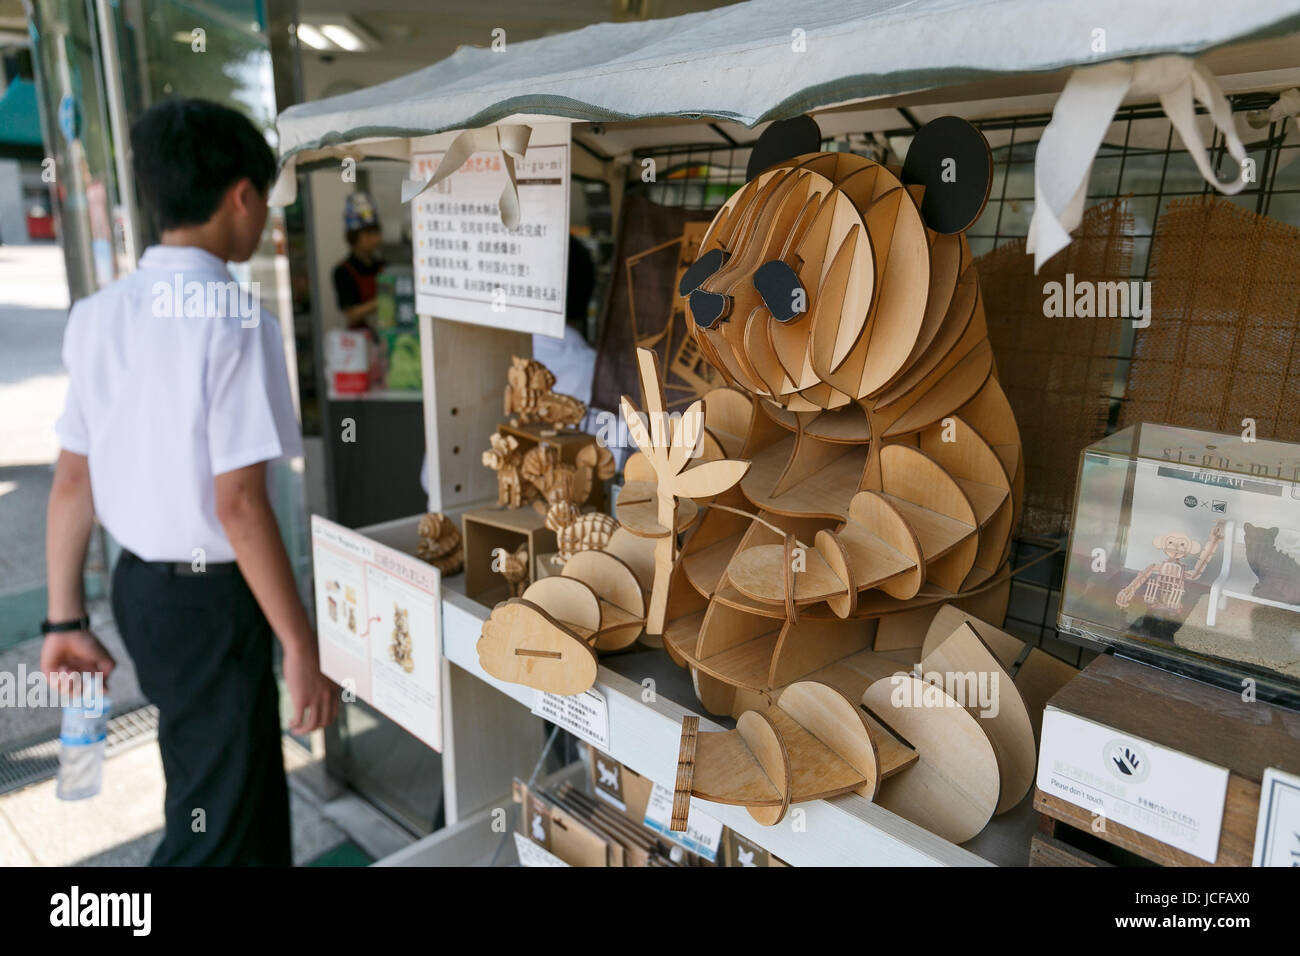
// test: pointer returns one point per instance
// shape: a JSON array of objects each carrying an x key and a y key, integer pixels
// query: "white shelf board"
[{"x": 846, "y": 831}]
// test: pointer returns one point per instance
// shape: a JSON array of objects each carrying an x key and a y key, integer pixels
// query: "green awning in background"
[{"x": 20, "y": 123}]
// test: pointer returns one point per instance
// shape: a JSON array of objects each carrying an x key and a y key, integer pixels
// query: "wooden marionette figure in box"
[{"x": 1165, "y": 580}]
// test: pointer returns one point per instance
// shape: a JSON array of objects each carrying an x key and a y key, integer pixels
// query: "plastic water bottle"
[{"x": 81, "y": 749}]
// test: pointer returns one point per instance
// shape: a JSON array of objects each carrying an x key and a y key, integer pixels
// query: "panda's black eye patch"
[
  {"x": 782, "y": 292},
  {"x": 701, "y": 269},
  {"x": 707, "y": 308}
]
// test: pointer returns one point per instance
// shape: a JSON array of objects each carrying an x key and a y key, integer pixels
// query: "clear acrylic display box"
[{"x": 1185, "y": 552}]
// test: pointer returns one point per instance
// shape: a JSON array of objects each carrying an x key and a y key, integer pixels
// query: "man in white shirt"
[{"x": 178, "y": 400}]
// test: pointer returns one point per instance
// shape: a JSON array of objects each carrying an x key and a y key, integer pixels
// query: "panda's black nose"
[{"x": 707, "y": 308}]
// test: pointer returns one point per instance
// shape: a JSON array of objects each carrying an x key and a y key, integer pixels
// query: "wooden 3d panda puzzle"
[{"x": 836, "y": 522}]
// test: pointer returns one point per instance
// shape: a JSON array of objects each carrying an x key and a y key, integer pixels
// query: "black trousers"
[{"x": 202, "y": 650}]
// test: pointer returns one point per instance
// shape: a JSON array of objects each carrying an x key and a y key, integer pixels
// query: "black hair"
[{"x": 187, "y": 152}]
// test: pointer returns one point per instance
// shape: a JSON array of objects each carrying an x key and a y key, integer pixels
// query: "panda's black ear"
[
  {"x": 783, "y": 140},
  {"x": 952, "y": 160}
]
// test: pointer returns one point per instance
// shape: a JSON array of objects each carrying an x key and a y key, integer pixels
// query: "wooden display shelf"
[{"x": 1205, "y": 722}]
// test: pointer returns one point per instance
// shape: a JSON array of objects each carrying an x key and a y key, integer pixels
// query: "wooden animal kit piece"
[
  {"x": 946, "y": 745},
  {"x": 548, "y": 637},
  {"x": 538, "y": 454},
  {"x": 884, "y": 462},
  {"x": 529, "y": 396},
  {"x": 440, "y": 543},
  {"x": 861, "y": 463}
]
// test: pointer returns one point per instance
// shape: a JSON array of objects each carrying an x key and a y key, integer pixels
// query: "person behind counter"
[{"x": 355, "y": 278}]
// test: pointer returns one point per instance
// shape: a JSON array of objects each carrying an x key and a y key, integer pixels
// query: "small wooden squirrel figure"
[
  {"x": 528, "y": 395},
  {"x": 1165, "y": 580},
  {"x": 505, "y": 459}
]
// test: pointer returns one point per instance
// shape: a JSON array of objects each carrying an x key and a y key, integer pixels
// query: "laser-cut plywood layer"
[
  {"x": 885, "y": 469},
  {"x": 939, "y": 754}
]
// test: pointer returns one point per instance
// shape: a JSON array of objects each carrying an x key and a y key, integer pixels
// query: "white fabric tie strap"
[
  {"x": 1287, "y": 105},
  {"x": 510, "y": 140},
  {"x": 285, "y": 191},
  {"x": 1083, "y": 113}
]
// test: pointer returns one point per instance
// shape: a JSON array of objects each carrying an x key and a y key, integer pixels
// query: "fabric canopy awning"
[{"x": 770, "y": 59}]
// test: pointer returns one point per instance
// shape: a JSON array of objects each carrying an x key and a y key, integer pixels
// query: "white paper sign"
[
  {"x": 1164, "y": 794},
  {"x": 584, "y": 715},
  {"x": 703, "y": 833},
  {"x": 379, "y": 626},
  {"x": 1277, "y": 834},
  {"x": 1177, "y": 498},
  {"x": 530, "y": 854},
  {"x": 468, "y": 265}
]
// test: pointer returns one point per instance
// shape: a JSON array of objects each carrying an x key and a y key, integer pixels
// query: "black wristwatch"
[{"x": 58, "y": 627}]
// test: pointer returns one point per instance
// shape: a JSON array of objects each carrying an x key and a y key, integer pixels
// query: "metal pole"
[{"x": 120, "y": 128}]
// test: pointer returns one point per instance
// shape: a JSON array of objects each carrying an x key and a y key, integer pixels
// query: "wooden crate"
[
  {"x": 486, "y": 529},
  {"x": 1057, "y": 844},
  {"x": 1204, "y": 722}
]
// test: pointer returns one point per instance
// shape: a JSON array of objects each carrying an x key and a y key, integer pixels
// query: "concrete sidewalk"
[
  {"x": 33, "y": 313},
  {"x": 122, "y": 825}
]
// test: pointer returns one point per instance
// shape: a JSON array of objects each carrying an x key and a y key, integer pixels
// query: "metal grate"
[
  {"x": 27, "y": 763},
  {"x": 1149, "y": 169}
]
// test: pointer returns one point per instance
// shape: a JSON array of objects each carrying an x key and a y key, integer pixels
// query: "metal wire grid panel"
[
  {"x": 1148, "y": 167},
  {"x": 26, "y": 763}
]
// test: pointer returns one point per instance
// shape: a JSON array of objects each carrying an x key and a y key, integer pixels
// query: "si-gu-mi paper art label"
[{"x": 469, "y": 265}]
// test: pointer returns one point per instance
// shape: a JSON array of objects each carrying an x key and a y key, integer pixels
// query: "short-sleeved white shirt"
[{"x": 172, "y": 381}]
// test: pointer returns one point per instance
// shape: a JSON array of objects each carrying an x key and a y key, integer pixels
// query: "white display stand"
[
  {"x": 490, "y": 736},
  {"x": 1225, "y": 587}
]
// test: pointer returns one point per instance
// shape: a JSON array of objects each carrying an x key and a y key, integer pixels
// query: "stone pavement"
[{"x": 123, "y": 823}]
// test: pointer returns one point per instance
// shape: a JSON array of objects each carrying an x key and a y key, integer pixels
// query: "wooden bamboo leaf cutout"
[
  {"x": 710, "y": 478},
  {"x": 705, "y": 480}
]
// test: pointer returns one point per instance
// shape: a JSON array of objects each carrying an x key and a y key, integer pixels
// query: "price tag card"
[
  {"x": 703, "y": 832},
  {"x": 1175, "y": 798},
  {"x": 1277, "y": 834},
  {"x": 584, "y": 715},
  {"x": 530, "y": 854}
]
